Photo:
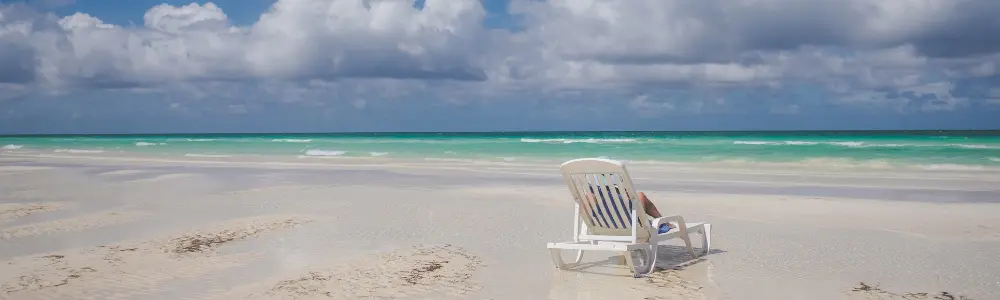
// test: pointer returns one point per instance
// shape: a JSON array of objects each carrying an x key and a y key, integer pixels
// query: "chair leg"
[
  {"x": 687, "y": 242},
  {"x": 648, "y": 265},
  {"x": 706, "y": 243},
  {"x": 579, "y": 256},
  {"x": 652, "y": 257},
  {"x": 631, "y": 264},
  {"x": 557, "y": 258}
]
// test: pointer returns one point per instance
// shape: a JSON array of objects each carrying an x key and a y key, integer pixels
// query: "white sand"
[{"x": 454, "y": 231}]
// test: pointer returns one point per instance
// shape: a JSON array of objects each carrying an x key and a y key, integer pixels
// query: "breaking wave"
[
  {"x": 852, "y": 144},
  {"x": 951, "y": 167},
  {"x": 971, "y": 146},
  {"x": 378, "y": 153},
  {"x": 77, "y": 151},
  {"x": 206, "y": 155},
  {"x": 292, "y": 140},
  {"x": 12, "y": 147},
  {"x": 145, "y": 144},
  {"x": 571, "y": 141},
  {"x": 756, "y": 143},
  {"x": 315, "y": 152}
]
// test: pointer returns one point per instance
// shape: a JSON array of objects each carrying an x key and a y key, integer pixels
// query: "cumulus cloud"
[
  {"x": 907, "y": 53},
  {"x": 295, "y": 39},
  {"x": 875, "y": 44}
]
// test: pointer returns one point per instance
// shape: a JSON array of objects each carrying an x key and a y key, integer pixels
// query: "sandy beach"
[{"x": 103, "y": 227}]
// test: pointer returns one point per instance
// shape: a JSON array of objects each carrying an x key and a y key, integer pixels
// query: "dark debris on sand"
[
  {"x": 874, "y": 289},
  {"x": 414, "y": 275},
  {"x": 202, "y": 243}
]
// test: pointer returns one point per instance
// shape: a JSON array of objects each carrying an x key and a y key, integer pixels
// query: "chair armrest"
[{"x": 663, "y": 220}]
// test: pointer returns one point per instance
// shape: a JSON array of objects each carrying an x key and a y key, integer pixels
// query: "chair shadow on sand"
[
  {"x": 669, "y": 257},
  {"x": 610, "y": 279}
]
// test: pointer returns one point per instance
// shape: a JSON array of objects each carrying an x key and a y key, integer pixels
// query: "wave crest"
[
  {"x": 572, "y": 141},
  {"x": 292, "y": 140},
  {"x": 855, "y": 144},
  {"x": 77, "y": 151},
  {"x": 316, "y": 152},
  {"x": 971, "y": 146},
  {"x": 951, "y": 167},
  {"x": 12, "y": 147},
  {"x": 206, "y": 155},
  {"x": 756, "y": 143}
]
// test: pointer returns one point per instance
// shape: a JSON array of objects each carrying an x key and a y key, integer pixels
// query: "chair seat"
[{"x": 604, "y": 246}]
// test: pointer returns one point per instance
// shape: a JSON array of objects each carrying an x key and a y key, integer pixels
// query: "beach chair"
[{"x": 612, "y": 218}]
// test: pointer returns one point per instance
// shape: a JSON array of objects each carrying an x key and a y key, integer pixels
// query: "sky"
[{"x": 142, "y": 66}]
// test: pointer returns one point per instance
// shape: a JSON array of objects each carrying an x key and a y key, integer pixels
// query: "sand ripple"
[
  {"x": 71, "y": 224},
  {"x": 10, "y": 211}
]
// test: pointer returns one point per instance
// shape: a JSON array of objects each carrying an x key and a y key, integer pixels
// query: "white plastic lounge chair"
[{"x": 613, "y": 219}]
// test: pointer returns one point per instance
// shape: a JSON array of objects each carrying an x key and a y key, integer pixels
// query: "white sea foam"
[
  {"x": 316, "y": 152},
  {"x": 508, "y": 159},
  {"x": 970, "y": 146},
  {"x": 996, "y": 159},
  {"x": 449, "y": 160},
  {"x": 378, "y": 153},
  {"x": 800, "y": 143},
  {"x": 77, "y": 151},
  {"x": 200, "y": 140},
  {"x": 292, "y": 140},
  {"x": 144, "y": 144},
  {"x": 571, "y": 141},
  {"x": 859, "y": 144},
  {"x": 206, "y": 155},
  {"x": 950, "y": 167},
  {"x": 849, "y": 144},
  {"x": 755, "y": 143},
  {"x": 12, "y": 147}
]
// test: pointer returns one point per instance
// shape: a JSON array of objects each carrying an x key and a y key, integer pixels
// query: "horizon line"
[{"x": 505, "y": 132}]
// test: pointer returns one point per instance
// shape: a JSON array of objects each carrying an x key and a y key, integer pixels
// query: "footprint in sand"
[
  {"x": 432, "y": 272},
  {"x": 607, "y": 284},
  {"x": 133, "y": 270}
]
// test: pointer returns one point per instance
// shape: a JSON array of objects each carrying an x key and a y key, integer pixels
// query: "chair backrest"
[{"x": 606, "y": 201}]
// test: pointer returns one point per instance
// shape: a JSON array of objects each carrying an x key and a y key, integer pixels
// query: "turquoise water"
[{"x": 932, "y": 149}]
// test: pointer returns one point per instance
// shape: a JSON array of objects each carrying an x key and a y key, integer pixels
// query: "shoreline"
[{"x": 818, "y": 169}]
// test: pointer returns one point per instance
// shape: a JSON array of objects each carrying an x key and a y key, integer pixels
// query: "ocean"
[{"x": 928, "y": 150}]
